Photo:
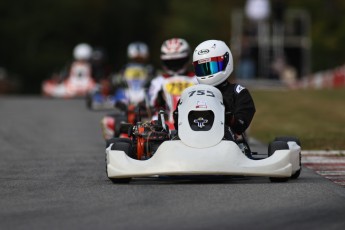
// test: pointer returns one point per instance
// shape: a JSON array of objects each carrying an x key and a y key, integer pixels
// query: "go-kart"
[
  {"x": 78, "y": 84},
  {"x": 128, "y": 86},
  {"x": 199, "y": 148},
  {"x": 172, "y": 88},
  {"x": 126, "y": 114},
  {"x": 127, "y": 100},
  {"x": 101, "y": 96}
]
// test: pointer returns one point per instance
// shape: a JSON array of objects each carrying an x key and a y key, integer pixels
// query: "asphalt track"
[{"x": 52, "y": 176}]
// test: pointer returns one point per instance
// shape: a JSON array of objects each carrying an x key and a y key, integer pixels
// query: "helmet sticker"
[
  {"x": 201, "y": 104},
  {"x": 203, "y": 51},
  {"x": 201, "y": 122},
  {"x": 239, "y": 88},
  {"x": 201, "y": 61}
]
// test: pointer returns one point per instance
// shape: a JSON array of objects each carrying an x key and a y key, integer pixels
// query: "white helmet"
[
  {"x": 175, "y": 55},
  {"x": 137, "y": 50},
  {"x": 212, "y": 61},
  {"x": 82, "y": 51}
]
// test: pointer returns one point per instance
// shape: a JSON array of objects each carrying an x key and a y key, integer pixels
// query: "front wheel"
[{"x": 121, "y": 144}]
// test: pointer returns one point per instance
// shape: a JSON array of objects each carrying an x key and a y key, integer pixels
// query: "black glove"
[{"x": 238, "y": 126}]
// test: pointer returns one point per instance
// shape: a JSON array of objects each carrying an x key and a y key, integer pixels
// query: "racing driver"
[{"x": 213, "y": 64}]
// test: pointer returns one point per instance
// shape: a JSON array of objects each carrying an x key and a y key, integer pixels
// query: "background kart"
[
  {"x": 200, "y": 148},
  {"x": 172, "y": 88},
  {"x": 127, "y": 87},
  {"x": 129, "y": 99},
  {"x": 78, "y": 84},
  {"x": 101, "y": 97}
]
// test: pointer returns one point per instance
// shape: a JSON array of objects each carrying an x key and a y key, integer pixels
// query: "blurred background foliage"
[{"x": 38, "y": 36}]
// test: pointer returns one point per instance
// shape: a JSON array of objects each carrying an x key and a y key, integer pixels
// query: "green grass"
[{"x": 317, "y": 117}]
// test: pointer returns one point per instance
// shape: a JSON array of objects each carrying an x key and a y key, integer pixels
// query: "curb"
[{"x": 323, "y": 152}]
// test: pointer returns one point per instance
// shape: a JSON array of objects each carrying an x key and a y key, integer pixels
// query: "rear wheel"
[
  {"x": 288, "y": 138},
  {"x": 297, "y": 173},
  {"x": 272, "y": 147},
  {"x": 295, "y": 139}
]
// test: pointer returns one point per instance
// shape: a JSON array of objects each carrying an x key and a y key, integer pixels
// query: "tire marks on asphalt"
[{"x": 329, "y": 164}]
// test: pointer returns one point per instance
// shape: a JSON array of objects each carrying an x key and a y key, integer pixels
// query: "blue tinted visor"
[{"x": 209, "y": 66}]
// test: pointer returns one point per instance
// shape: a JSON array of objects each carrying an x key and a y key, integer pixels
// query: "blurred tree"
[
  {"x": 328, "y": 32},
  {"x": 37, "y": 36}
]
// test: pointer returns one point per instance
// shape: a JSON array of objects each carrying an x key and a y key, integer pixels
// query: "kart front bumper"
[{"x": 225, "y": 158}]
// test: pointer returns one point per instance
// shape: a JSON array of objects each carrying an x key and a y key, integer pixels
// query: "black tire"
[
  {"x": 110, "y": 141},
  {"x": 122, "y": 144},
  {"x": 279, "y": 179},
  {"x": 120, "y": 180},
  {"x": 296, "y": 174},
  {"x": 295, "y": 139},
  {"x": 276, "y": 145},
  {"x": 272, "y": 147},
  {"x": 118, "y": 120},
  {"x": 287, "y": 139},
  {"x": 89, "y": 101},
  {"x": 125, "y": 145},
  {"x": 117, "y": 139}
]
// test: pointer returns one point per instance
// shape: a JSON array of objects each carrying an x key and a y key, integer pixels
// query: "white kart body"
[
  {"x": 78, "y": 84},
  {"x": 202, "y": 152}
]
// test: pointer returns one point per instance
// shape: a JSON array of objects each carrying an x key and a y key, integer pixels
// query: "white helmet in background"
[
  {"x": 137, "y": 50},
  {"x": 175, "y": 55},
  {"x": 213, "y": 62},
  {"x": 82, "y": 52}
]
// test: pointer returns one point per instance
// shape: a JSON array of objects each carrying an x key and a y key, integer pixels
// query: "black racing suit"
[{"x": 239, "y": 107}]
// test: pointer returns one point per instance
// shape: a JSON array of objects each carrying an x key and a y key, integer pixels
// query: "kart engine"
[{"x": 148, "y": 136}]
